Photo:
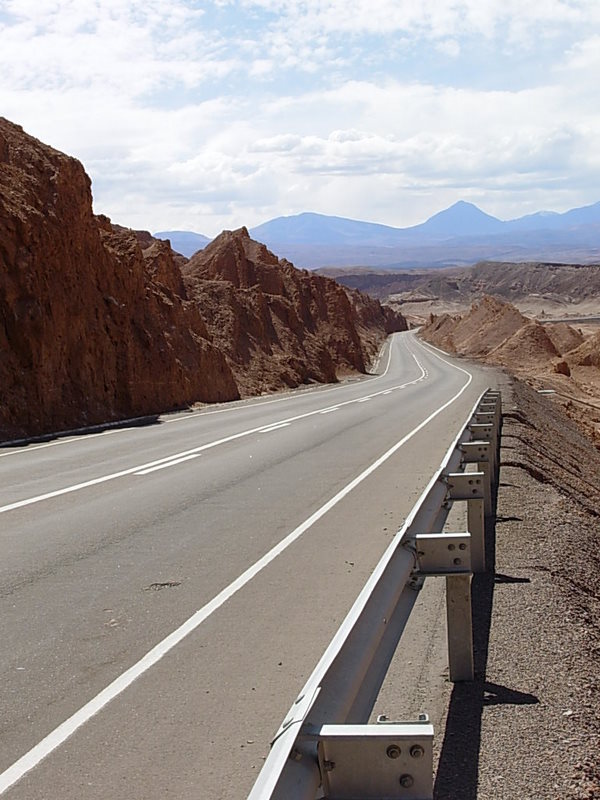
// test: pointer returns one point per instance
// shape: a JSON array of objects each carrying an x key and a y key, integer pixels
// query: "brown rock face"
[
  {"x": 587, "y": 354},
  {"x": 96, "y": 323},
  {"x": 552, "y": 356},
  {"x": 562, "y": 368},
  {"x": 280, "y": 326},
  {"x": 495, "y": 331},
  {"x": 92, "y": 326}
]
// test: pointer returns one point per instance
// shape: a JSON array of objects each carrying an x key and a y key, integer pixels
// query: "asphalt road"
[{"x": 111, "y": 542}]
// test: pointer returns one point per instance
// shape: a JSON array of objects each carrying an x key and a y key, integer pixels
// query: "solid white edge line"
[{"x": 58, "y": 736}]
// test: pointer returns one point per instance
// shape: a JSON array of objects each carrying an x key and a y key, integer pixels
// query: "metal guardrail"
[{"x": 325, "y": 748}]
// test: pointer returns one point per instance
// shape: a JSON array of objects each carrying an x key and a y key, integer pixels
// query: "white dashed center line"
[
  {"x": 276, "y": 427},
  {"x": 170, "y": 463}
]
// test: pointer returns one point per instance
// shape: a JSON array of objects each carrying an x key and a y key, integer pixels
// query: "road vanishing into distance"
[{"x": 167, "y": 589}]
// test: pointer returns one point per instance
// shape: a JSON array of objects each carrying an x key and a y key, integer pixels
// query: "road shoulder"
[{"x": 528, "y": 726}]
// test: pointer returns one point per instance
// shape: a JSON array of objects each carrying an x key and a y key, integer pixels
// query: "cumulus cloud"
[{"x": 241, "y": 110}]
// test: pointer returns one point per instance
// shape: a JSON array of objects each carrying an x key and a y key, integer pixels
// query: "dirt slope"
[
  {"x": 587, "y": 354},
  {"x": 552, "y": 356}
]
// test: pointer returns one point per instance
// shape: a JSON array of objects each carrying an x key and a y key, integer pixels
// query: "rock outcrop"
[
  {"x": 495, "y": 331},
  {"x": 97, "y": 322},
  {"x": 92, "y": 326},
  {"x": 551, "y": 356},
  {"x": 278, "y": 325},
  {"x": 587, "y": 354}
]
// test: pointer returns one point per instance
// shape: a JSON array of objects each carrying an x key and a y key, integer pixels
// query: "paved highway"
[{"x": 167, "y": 589}]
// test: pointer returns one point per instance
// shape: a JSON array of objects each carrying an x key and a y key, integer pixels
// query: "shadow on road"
[{"x": 137, "y": 422}]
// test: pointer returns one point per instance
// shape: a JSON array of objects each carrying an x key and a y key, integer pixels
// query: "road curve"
[{"x": 167, "y": 589}]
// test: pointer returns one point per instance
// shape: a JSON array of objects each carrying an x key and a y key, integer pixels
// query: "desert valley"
[{"x": 102, "y": 324}]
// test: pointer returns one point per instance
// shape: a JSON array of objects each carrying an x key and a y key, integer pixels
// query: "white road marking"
[
  {"x": 277, "y": 426},
  {"x": 140, "y": 467},
  {"x": 170, "y": 463},
  {"x": 329, "y": 410},
  {"x": 58, "y": 736},
  {"x": 364, "y": 399}
]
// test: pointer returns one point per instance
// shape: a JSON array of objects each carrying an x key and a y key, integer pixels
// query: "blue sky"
[{"x": 211, "y": 115}]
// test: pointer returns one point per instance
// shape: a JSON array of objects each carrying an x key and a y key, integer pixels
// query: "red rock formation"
[
  {"x": 497, "y": 332},
  {"x": 488, "y": 325},
  {"x": 92, "y": 328},
  {"x": 278, "y": 325},
  {"x": 96, "y": 322}
]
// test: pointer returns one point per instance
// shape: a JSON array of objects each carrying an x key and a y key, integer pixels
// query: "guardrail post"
[
  {"x": 460, "y": 627},
  {"x": 478, "y": 452},
  {"x": 487, "y": 432},
  {"x": 450, "y": 554},
  {"x": 472, "y": 487},
  {"x": 476, "y": 527},
  {"x": 368, "y": 762}
]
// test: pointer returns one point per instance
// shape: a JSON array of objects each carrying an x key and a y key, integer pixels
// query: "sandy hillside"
[
  {"x": 551, "y": 357},
  {"x": 538, "y": 289}
]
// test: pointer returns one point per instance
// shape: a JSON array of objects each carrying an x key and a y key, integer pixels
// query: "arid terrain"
[
  {"x": 280, "y": 326},
  {"x": 98, "y": 323},
  {"x": 537, "y": 637},
  {"x": 529, "y": 724},
  {"x": 101, "y": 323},
  {"x": 552, "y": 357},
  {"x": 544, "y": 290}
]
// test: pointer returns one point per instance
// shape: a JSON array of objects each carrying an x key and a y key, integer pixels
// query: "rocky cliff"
[
  {"x": 98, "y": 324},
  {"x": 278, "y": 325},
  {"x": 94, "y": 324}
]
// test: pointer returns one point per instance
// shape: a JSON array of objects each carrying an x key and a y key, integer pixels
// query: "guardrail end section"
[{"x": 369, "y": 762}]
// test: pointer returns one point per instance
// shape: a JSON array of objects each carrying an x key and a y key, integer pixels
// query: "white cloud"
[
  {"x": 245, "y": 110},
  {"x": 130, "y": 47},
  {"x": 428, "y": 18},
  {"x": 450, "y": 47}
]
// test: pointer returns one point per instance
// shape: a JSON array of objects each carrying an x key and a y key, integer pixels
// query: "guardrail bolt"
[
  {"x": 329, "y": 766},
  {"x": 406, "y": 781},
  {"x": 462, "y": 546},
  {"x": 458, "y": 561},
  {"x": 417, "y": 751},
  {"x": 451, "y": 547},
  {"x": 393, "y": 751}
]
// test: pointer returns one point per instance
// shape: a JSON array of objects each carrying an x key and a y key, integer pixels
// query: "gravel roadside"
[{"x": 529, "y": 725}]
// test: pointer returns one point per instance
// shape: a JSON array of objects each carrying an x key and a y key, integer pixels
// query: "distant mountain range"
[
  {"x": 461, "y": 234},
  {"x": 185, "y": 242}
]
